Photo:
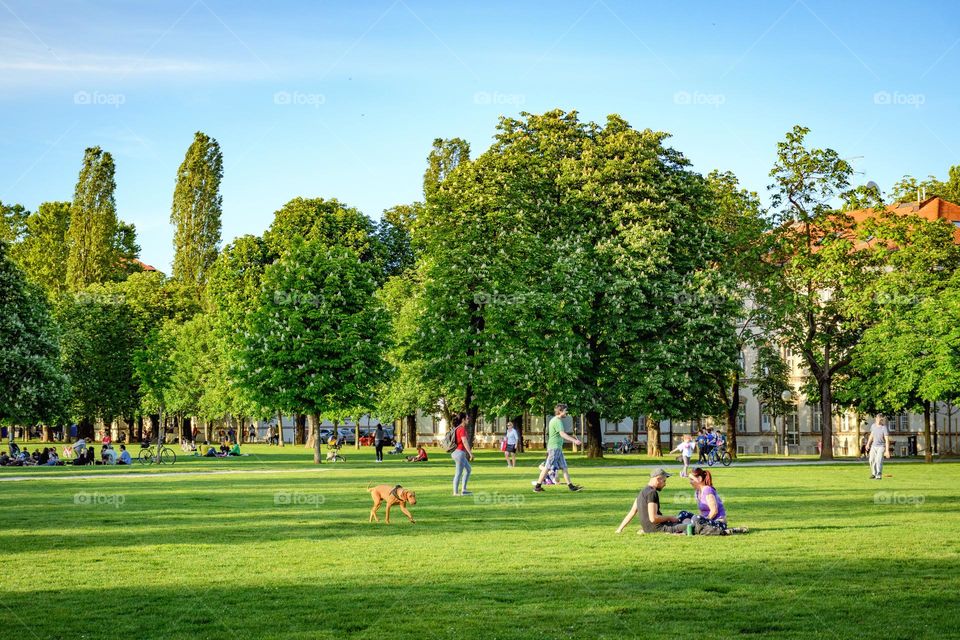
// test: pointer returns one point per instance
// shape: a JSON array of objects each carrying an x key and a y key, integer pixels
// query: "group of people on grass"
[
  {"x": 712, "y": 516},
  {"x": 710, "y": 521},
  {"x": 226, "y": 450},
  {"x": 79, "y": 453}
]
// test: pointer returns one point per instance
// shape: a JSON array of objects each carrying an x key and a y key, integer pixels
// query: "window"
[
  {"x": 899, "y": 422},
  {"x": 766, "y": 449},
  {"x": 766, "y": 421},
  {"x": 792, "y": 428},
  {"x": 740, "y": 449},
  {"x": 742, "y": 361},
  {"x": 742, "y": 417},
  {"x": 816, "y": 420}
]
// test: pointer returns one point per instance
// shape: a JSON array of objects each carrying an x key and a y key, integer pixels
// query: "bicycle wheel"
[
  {"x": 167, "y": 456},
  {"x": 711, "y": 459},
  {"x": 145, "y": 456},
  {"x": 725, "y": 459}
]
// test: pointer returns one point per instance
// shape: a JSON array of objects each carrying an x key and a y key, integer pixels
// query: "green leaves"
[
  {"x": 33, "y": 387},
  {"x": 196, "y": 211},
  {"x": 315, "y": 342}
]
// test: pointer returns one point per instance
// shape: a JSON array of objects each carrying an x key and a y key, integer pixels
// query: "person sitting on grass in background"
[
  {"x": 712, "y": 513},
  {"x": 124, "y": 455},
  {"x": 211, "y": 452},
  {"x": 234, "y": 450},
  {"x": 421, "y": 455},
  {"x": 685, "y": 449},
  {"x": 53, "y": 460},
  {"x": 108, "y": 455}
]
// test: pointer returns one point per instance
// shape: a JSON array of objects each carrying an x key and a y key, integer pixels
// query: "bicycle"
[
  {"x": 163, "y": 455},
  {"x": 719, "y": 454}
]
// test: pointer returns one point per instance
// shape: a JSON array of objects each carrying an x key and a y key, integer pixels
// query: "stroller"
[{"x": 333, "y": 451}]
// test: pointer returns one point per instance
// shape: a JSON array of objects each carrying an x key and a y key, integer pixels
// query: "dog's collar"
[{"x": 395, "y": 492}]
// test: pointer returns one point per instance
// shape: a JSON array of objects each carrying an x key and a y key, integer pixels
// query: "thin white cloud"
[{"x": 114, "y": 66}]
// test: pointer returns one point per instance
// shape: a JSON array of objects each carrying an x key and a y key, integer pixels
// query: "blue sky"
[{"x": 343, "y": 99}]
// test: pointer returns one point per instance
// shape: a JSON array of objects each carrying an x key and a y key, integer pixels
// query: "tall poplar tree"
[
  {"x": 93, "y": 222},
  {"x": 196, "y": 211}
]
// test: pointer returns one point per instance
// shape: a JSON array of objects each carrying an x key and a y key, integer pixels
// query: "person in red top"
[
  {"x": 420, "y": 457},
  {"x": 461, "y": 457}
]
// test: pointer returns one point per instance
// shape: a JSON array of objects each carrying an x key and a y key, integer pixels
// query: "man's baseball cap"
[{"x": 659, "y": 471}]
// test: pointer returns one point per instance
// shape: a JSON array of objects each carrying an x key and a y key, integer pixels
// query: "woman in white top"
[
  {"x": 685, "y": 449},
  {"x": 510, "y": 452}
]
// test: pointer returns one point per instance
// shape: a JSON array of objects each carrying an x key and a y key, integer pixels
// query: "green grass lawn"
[{"x": 286, "y": 551}]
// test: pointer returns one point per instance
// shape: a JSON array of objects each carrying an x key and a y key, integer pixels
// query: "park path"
[{"x": 215, "y": 472}]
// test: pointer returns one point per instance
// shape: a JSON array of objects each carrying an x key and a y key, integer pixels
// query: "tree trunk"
[
  {"x": 45, "y": 433},
  {"x": 859, "y": 434},
  {"x": 312, "y": 423},
  {"x": 299, "y": 428},
  {"x": 315, "y": 437},
  {"x": 518, "y": 425},
  {"x": 594, "y": 435},
  {"x": 653, "y": 437},
  {"x": 411, "y": 428},
  {"x": 733, "y": 412},
  {"x": 635, "y": 432},
  {"x": 356, "y": 434},
  {"x": 927, "y": 437},
  {"x": 279, "y": 428},
  {"x": 472, "y": 412},
  {"x": 84, "y": 429},
  {"x": 139, "y": 428},
  {"x": 826, "y": 421},
  {"x": 776, "y": 434}
]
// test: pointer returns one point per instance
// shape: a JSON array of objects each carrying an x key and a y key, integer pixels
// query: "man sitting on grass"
[{"x": 647, "y": 505}]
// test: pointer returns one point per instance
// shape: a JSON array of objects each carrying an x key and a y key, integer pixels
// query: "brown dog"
[{"x": 392, "y": 495}]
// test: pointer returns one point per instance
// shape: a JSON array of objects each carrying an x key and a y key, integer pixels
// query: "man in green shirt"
[{"x": 556, "y": 434}]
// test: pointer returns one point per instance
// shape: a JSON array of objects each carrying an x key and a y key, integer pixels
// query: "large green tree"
[
  {"x": 93, "y": 222},
  {"x": 43, "y": 252},
  {"x": 33, "y": 387},
  {"x": 739, "y": 221},
  {"x": 13, "y": 220},
  {"x": 552, "y": 266},
  {"x": 315, "y": 342},
  {"x": 820, "y": 273},
  {"x": 907, "y": 360},
  {"x": 196, "y": 211}
]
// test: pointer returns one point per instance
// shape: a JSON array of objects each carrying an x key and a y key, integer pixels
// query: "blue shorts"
[{"x": 555, "y": 459}]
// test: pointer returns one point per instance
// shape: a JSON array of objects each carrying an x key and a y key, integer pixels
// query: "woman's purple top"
[{"x": 705, "y": 507}]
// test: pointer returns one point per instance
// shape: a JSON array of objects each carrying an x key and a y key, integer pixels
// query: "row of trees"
[{"x": 571, "y": 260}]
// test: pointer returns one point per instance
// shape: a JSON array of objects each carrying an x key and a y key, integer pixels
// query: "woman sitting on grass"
[
  {"x": 712, "y": 512},
  {"x": 421, "y": 455}
]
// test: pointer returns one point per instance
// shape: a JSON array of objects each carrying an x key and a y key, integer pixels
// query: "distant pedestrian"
[
  {"x": 556, "y": 434},
  {"x": 701, "y": 445},
  {"x": 511, "y": 439},
  {"x": 685, "y": 449},
  {"x": 462, "y": 456},
  {"x": 378, "y": 437},
  {"x": 878, "y": 444}
]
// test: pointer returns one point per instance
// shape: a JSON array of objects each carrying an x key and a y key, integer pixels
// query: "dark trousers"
[{"x": 379, "y": 448}]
